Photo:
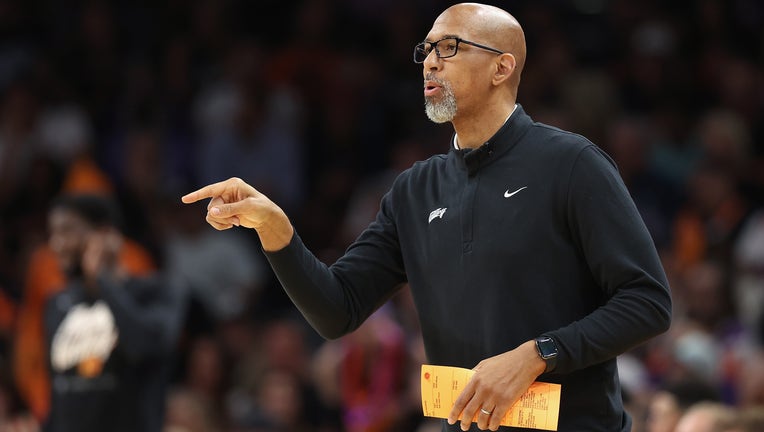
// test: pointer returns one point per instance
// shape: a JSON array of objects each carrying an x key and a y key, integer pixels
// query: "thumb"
[{"x": 227, "y": 210}]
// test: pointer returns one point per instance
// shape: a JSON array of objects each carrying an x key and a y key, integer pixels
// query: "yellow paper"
[{"x": 538, "y": 408}]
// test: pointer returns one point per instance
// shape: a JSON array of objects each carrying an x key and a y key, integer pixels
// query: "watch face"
[{"x": 547, "y": 347}]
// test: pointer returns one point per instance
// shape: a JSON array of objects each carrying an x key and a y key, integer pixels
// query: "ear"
[{"x": 505, "y": 68}]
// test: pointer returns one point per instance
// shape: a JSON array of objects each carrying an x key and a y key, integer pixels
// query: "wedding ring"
[{"x": 484, "y": 411}]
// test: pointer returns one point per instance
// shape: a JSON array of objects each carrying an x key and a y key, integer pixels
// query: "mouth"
[{"x": 431, "y": 88}]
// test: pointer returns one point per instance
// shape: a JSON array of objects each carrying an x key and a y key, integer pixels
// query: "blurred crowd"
[{"x": 318, "y": 104}]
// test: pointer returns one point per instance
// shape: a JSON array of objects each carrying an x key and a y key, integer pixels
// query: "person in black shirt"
[
  {"x": 526, "y": 256},
  {"x": 110, "y": 336}
]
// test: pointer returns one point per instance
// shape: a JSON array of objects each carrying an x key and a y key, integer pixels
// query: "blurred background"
[{"x": 318, "y": 104}]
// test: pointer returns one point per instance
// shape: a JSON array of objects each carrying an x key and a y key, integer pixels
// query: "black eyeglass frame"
[{"x": 421, "y": 47}]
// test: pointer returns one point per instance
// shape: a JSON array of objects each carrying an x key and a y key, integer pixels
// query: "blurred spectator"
[
  {"x": 188, "y": 412},
  {"x": 44, "y": 278},
  {"x": 202, "y": 386},
  {"x": 280, "y": 401},
  {"x": 222, "y": 270},
  {"x": 410, "y": 411},
  {"x": 251, "y": 130},
  {"x": 64, "y": 133},
  {"x": 11, "y": 419},
  {"x": 707, "y": 417},
  {"x": 750, "y": 420},
  {"x": 704, "y": 294},
  {"x": 372, "y": 374},
  {"x": 629, "y": 143},
  {"x": 725, "y": 141},
  {"x": 142, "y": 188},
  {"x": 751, "y": 379},
  {"x": 274, "y": 374},
  {"x": 669, "y": 404},
  {"x": 18, "y": 111},
  {"x": 366, "y": 196},
  {"x": 110, "y": 336},
  {"x": 708, "y": 224},
  {"x": 748, "y": 260}
]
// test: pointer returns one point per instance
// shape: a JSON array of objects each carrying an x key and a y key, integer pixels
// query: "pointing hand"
[{"x": 235, "y": 203}]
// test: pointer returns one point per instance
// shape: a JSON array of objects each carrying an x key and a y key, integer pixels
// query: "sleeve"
[
  {"x": 148, "y": 313},
  {"x": 337, "y": 299},
  {"x": 623, "y": 261}
]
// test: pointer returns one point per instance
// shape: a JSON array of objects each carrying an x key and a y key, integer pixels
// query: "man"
[
  {"x": 526, "y": 256},
  {"x": 668, "y": 405},
  {"x": 110, "y": 336}
]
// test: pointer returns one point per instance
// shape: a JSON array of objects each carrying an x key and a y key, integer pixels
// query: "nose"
[{"x": 432, "y": 62}]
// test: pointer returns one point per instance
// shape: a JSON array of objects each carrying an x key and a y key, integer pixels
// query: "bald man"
[{"x": 525, "y": 255}]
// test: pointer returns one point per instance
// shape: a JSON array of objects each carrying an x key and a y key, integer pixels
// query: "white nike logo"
[
  {"x": 507, "y": 194},
  {"x": 437, "y": 213}
]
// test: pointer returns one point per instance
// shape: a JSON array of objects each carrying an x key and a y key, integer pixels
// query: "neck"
[{"x": 472, "y": 131}]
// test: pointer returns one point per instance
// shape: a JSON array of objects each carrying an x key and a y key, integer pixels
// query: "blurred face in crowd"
[
  {"x": 68, "y": 237},
  {"x": 663, "y": 413},
  {"x": 280, "y": 397}
]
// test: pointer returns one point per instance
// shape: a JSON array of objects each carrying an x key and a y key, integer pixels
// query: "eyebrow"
[{"x": 446, "y": 36}]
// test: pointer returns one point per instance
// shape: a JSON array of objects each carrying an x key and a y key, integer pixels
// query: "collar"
[
  {"x": 502, "y": 141},
  {"x": 456, "y": 146}
]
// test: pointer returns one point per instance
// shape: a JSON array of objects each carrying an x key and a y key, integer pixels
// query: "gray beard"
[{"x": 444, "y": 110}]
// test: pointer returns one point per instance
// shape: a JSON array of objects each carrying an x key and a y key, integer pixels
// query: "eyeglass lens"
[{"x": 444, "y": 48}]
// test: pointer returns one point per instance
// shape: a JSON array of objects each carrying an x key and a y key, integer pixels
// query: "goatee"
[{"x": 444, "y": 109}]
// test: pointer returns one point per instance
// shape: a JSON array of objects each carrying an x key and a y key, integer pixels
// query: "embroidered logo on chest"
[
  {"x": 437, "y": 213},
  {"x": 507, "y": 194}
]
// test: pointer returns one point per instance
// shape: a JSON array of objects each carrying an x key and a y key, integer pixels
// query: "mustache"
[{"x": 431, "y": 77}]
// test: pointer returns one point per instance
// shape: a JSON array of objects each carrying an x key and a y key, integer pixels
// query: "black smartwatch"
[{"x": 547, "y": 350}]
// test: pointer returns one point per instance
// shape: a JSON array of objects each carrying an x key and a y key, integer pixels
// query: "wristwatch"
[{"x": 547, "y": 350}]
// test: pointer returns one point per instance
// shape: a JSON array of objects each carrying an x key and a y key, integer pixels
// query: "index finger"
[
  {"x": 209, "y": 191},
  {"x": 461, "y": 403}
]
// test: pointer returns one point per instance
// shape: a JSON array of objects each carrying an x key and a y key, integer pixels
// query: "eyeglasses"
[{"x": 445, "y": 48}]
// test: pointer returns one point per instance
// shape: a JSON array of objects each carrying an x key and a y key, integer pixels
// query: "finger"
[
  {"x": 472, "y": 413},
  {"x": 216, "y": 201},
  {"x": 485, "y": 415},
  {"x": 496, "y": 418},
  {"x": 460, "y": 403},
  {"x": 209, "y": 191},
  {"x": 220, "y": 226},
  {"x": 233, "y": 220},
  {"x": 221, "y": 211}
]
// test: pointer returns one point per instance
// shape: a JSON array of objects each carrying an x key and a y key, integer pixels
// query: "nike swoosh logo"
[{"x": 507, "y": 194}]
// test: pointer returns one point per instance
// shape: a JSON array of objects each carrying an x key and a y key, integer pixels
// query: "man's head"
[
  {"x": 670, "y": 403},
  {"x": 707, "y": 417},
  {"x": 485, "y": 70},
  {"x": 72, "y": 221}
]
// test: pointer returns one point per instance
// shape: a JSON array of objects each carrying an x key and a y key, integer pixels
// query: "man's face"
[
  {"x": 458, "y": 81},
  {"x": 68, "y": 236}
]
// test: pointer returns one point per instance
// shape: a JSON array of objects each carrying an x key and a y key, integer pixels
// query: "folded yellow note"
[{"x": 538, "y": 408}]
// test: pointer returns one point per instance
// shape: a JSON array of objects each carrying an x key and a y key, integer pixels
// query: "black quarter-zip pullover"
[{"x": 533, "y": 233}]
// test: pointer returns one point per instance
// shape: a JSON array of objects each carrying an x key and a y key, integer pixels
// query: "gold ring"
[{"x": 482, "y": 410}]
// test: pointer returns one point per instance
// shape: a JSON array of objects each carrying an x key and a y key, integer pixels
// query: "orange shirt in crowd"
[{"x": 43, "y": 279}]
